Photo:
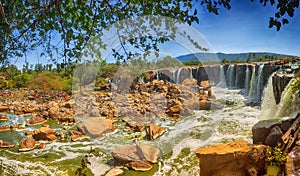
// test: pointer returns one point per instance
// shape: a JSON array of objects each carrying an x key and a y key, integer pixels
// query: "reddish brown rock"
[
  {"x": 293, "y": 162},
  {"x": 189, "y": 82},
  {"x": 115, "y": 172},
  {"x": 3, "y": 117},
  {"x": 139, "y": 165},
  {"x": 98, "y": 127},
  {"x": 42, "y": 146},
  {"x": 153, "y": 131},
  {"x": 138, "y": 152},
  {"x": 236, "y": 158},
  {"x": 3, "y": 108},
  {"x": 36, "y": 120},
  {"x": 204, "y": 83},
  {"x": 44, "y": 134},
  {"x": 17, "y": 127},
  {"x": 27, "y": 144},
  {"x": 4, "y": 128},
  {"x": 4, "y": 144}
]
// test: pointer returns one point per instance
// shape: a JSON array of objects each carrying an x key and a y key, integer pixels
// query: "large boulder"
[
  {"x": 36, "y": 120},
  {"x": 98, "y": 127},
  {"x": 262, "y": 129},
  {"x": 236, "y": 158},
  {"x": 137, "y": 156},
  {"x": 44, "y": 134},
  {"x": 27, "y": 144}
]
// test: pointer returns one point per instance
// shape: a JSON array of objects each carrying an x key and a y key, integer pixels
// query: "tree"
[
  {"x": 250, "y": 59},
  {"x": 29, "y": 24}
]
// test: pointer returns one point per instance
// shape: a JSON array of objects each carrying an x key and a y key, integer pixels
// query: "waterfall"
[
  {"x": 221, "y": 81},
  {"x": 157, "y": 75},
  {"x": 247, "y": 79},
  {"x": 252, "y": 90},
  {"x": 259, "y": 84},
  {"x": 191, "y": 72},
  {"x": 178, "y": 76},
  {"x": 289, "y": 102},
  {"x": 268, "y": 104},
  {"x": 173, "y": 76},
  {"x": 230, "y": 75},
  {"x": 256, "y": 83}
]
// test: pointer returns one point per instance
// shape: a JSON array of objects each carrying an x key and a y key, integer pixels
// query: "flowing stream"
[{"x": 230, "y": 122}]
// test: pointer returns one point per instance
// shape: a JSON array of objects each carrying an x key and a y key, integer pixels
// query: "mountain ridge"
[{"x": 219, "y": 56}]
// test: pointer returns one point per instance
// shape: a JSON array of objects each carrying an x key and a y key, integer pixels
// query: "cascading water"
[
  {"x": 157, "y": 75},
  {"x": 289, "y": 102},
  {"x": 259, "y": 84},
  {"x": 191, "y": 72},
  {"x": 252, "y": 90},
  {"x": 173, "y": 76},
  {"x": 256, "y": 83},
  {"x": 247, "y": 79},
  {"x": 268, "y": 104},
  {"x": 230, "y": 76},
  {"x": 178, "y": 76},
  {"x": 221, "y": 81}
]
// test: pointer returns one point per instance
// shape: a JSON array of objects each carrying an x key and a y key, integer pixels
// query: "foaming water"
[
  {"x": 268, "y": 104},
  {"x": 289, "y": 101},
  {"x": 222, "y": 125}
]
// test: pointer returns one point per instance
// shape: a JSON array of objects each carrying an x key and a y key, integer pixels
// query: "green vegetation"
[
  {"x": 193, "y": 63},
  {"x": 49, "y": 21},
  {"x": 276, "y": 156},
  {"x": 61, "y": 78}
]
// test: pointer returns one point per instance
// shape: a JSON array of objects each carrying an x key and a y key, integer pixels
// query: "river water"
[{"x": 232, "y": 121}]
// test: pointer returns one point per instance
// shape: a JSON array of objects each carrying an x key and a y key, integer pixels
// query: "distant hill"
[{"x": 209, "y": 57}]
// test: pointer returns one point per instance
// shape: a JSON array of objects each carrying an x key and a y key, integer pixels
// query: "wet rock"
[
  {"x": 3, "y": 108},
  {"x": 98, "y": 127},
  {"x": 153, "y": 131},
  {"x": 54, "y": 112},
  {"x": 44, "y": 134},
  {"x": 138, "y": 152},
  {"x": 293, "y": 162},
  {"x": 189, "y": 82},
  {"x": 274, "y": 137},
  {"x": 115, "y": 172},
  {"x": 4, "y": 144},
  {"x": 17, "y": 127},
  {"x": 262, "y": 129},
  {"x": 67, "y": 121},
  {"x": 236, "y": 158},
  {"x": 27, "y": 144},
  {"x": 187, "y": 112},
  {"x": 139, "y": 165},
  {"x": 36, "y": 120},
  {"x": 42, "y": 146},
  {"x": 4, "y": 128},
  {"x": 3, "y": 117},
  {"x": 280, "y": 81}
]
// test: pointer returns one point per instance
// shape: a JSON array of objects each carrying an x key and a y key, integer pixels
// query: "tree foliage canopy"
[{"x": 63, "y": 28}]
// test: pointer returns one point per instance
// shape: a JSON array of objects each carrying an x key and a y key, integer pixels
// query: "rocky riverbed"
[{"x": 173, "y": 119}]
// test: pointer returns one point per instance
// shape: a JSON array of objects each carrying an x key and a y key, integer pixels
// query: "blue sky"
[{"x": 243, "y": 28}]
